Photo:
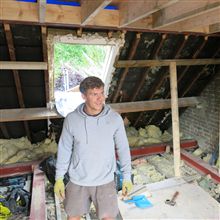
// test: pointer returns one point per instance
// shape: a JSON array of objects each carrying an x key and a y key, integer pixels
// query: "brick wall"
[{"x": 202, "y": 123}]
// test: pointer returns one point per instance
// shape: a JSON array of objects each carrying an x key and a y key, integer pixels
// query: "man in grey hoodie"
[{"x": 86, "y": 150}]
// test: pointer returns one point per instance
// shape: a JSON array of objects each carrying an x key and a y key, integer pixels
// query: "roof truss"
[{"x": 163, "y": 15}]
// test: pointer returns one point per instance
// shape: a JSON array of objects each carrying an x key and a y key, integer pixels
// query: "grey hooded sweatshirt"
[{"x": 86, "y": 148}]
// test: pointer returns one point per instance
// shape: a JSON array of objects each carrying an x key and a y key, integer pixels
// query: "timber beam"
[
  {"x": 7, "y": 115},
  {"x": 38, "y": 196},
  {"x": 179, "y": 62},
  {"x": 20, "y": 65}
]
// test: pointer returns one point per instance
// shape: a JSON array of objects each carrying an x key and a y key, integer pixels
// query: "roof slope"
[{"x": 27, "y": 88}]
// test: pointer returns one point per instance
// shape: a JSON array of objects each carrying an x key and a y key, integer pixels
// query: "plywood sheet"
[{"x": 192, "y": 203}]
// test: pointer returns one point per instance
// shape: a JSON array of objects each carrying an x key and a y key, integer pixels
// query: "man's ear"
[{"x": 83, "y": 96}]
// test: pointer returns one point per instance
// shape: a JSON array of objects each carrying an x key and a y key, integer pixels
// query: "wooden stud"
[{"x": 175, "y": 118}]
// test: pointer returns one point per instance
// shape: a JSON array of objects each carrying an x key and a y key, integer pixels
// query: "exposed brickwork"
[{"x": 203, "y": 123}]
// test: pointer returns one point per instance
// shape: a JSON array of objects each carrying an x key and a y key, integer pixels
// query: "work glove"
[
  {"x": 126, "y": 187},
  {"x": 59, "y": 189}
]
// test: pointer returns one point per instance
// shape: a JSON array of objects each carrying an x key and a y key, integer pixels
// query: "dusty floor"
[{"x": 150, "y": 169}]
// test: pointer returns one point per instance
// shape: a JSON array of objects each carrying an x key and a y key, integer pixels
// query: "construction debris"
[{"x": 155, "y": 168}]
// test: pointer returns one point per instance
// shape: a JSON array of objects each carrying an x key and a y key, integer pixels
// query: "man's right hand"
[{"x": 59, "y": 189}]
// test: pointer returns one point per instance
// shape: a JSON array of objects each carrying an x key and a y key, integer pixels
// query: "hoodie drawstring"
[
  {"x": 86, "y": 130},
  {"x": 97, "y": 121}
]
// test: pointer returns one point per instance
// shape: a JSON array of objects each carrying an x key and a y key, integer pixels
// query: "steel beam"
[
  {"x": 200, "y": 165},
  {"x": 160, "y": 148}
]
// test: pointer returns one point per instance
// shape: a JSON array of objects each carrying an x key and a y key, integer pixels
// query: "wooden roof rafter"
[
  {"x": 190, "y": 85},
  {"x": 16, "y": 76},
  {"x": 182, "y": 74},
  {"x": 143, "y": 77},
  {"x": 160, "y": 80},
  {"x": 194, "y": 56},
  {"x": 125, "y": 71}
]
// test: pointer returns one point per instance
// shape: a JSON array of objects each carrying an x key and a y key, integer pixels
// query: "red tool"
[{"x": 172, "y": 201}]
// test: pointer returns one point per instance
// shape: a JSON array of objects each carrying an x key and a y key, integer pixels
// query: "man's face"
[{"x": 94, "y": 100}]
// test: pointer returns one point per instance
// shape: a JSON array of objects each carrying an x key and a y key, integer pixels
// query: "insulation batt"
[
  {"x": 148, "y": 135},
  {"x": 21, "y": 149}
]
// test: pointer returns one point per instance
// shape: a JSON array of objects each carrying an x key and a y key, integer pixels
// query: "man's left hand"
[{"x": 126, "y": 187}]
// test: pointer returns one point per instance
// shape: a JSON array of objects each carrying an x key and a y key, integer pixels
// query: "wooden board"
[{"x": 192, "y": 203}]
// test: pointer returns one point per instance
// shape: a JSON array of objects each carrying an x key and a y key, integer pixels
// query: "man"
[{"x": 86, "y": 151}]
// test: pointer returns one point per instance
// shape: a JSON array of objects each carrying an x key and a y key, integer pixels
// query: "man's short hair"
[{"x": 90, "y": 82}]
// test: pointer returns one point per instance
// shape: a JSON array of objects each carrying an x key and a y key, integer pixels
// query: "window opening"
[{"x": 72, "y": 58}]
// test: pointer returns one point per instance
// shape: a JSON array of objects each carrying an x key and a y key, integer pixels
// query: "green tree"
[{"x": 79, "y": 56}]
